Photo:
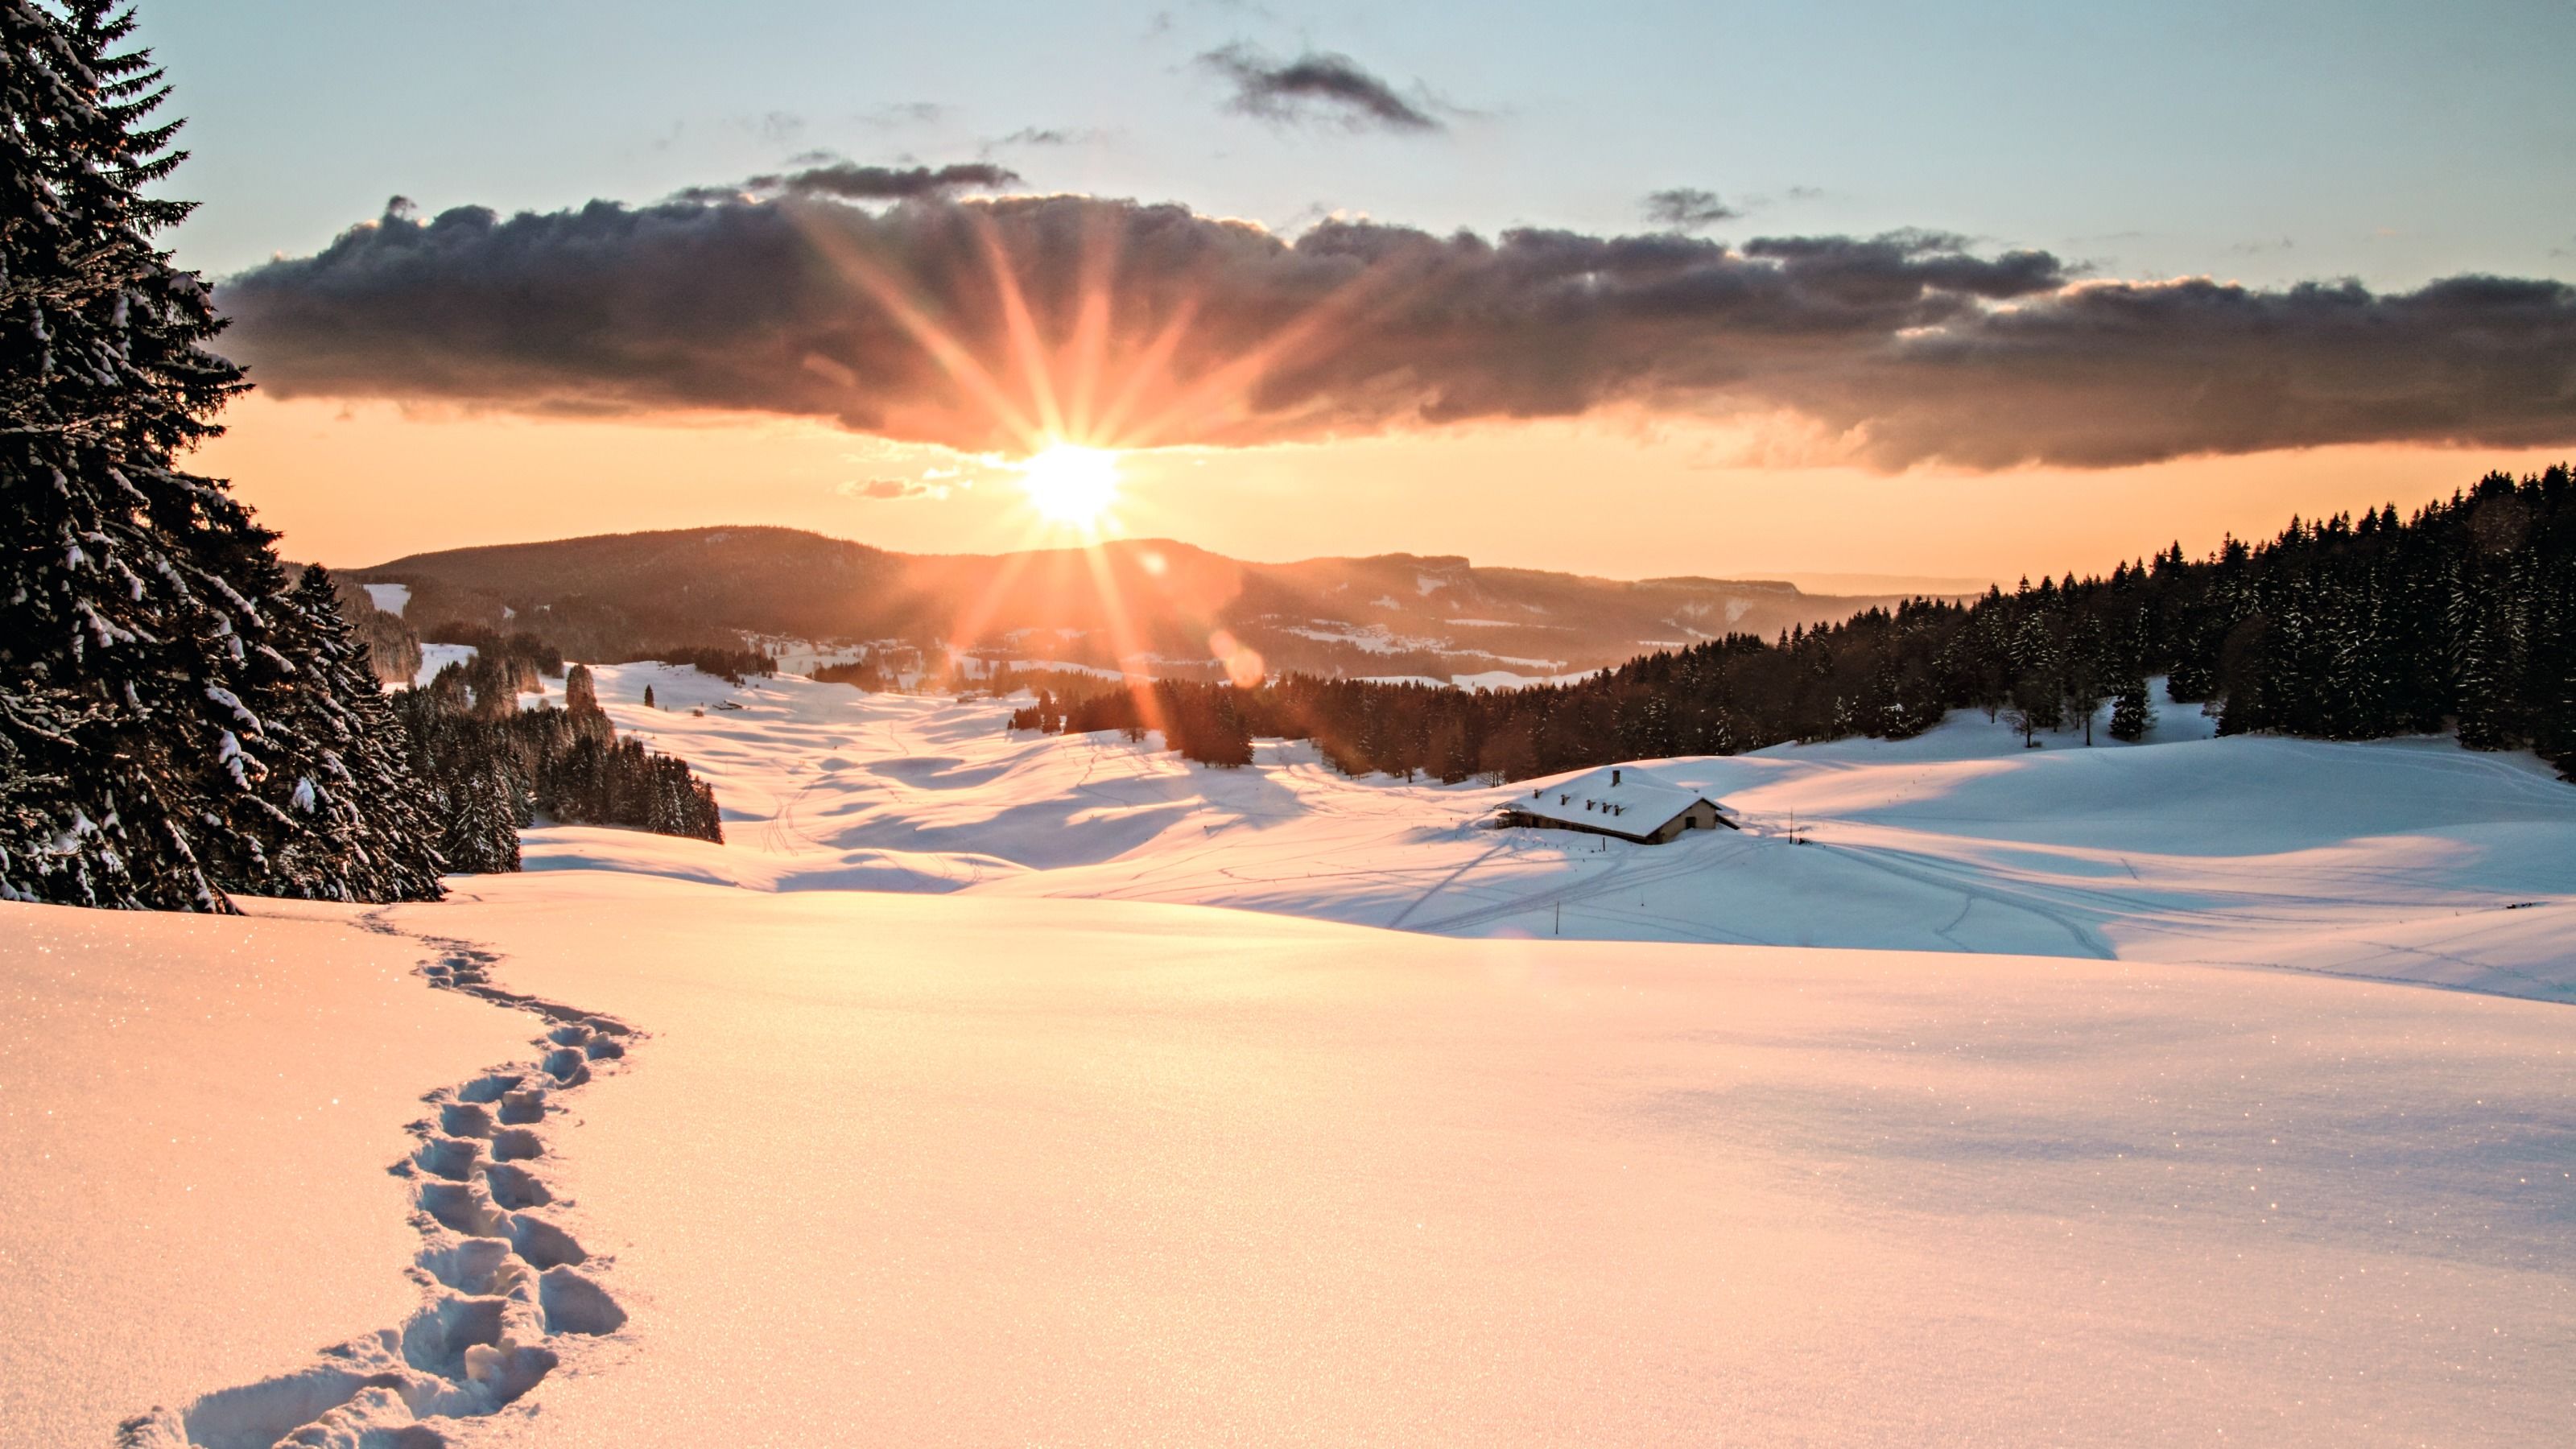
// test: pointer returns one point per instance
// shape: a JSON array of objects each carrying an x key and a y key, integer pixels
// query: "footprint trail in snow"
[{"x": 503, "y": 1282}]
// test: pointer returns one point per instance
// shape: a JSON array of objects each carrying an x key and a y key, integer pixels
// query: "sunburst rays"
[{"x": 1051, "y": 378}]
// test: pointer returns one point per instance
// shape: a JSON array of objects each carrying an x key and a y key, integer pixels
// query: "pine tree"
[
  {"x": 359, "y": 824},
  {"x": 482, "y": 820},
  {"x": 2480, "y": 650},
  {"x": 2131, "y": 715},
  {"x": 648, "y": 698},
  {"x": 2087, "y": 669},
  {"x": 143, "y": 615}
]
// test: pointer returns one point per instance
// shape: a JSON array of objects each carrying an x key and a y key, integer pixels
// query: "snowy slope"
[
  {"x": 195, "y": 1119},
  {"x": 931, "y": 1171},
  {"x": 915, "y": 1154},
  {"x": 2405, "y": 860}
]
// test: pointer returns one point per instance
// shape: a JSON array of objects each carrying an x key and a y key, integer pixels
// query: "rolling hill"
[{"x": 1151, "y": 605}]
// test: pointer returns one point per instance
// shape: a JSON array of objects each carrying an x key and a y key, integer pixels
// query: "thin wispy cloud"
[
  {"x": 1687, "y": 208},
  {"x": 1317, "y": 86},
  {"x": 849, "y": 181},
  {"x": 893, "y": 489},
  {"x": 1048, "y": 138},
  {"x": 1902, "y": 348},
  {"x": 903, "y": 113}
]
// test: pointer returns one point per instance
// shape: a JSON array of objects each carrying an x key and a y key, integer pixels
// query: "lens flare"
[{"x": 1070, "y": 484}]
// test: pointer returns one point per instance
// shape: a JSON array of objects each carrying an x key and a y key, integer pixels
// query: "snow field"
[
  {"x": 1116, "y": 1171},
  {"x": 195, "y": 1118},
  {"x": 2402, "y": 860},
  {"x": 499, "y": 1283},
  {"x": 1093, "y": 1173}
]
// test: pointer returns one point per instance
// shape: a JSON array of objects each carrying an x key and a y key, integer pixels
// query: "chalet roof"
[{"x": 1619, "y": 798}]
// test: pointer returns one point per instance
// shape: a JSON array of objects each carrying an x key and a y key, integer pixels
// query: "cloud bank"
[
  {"x": 1318, "y": 84},
  {"x": 1151, "y": 324}
]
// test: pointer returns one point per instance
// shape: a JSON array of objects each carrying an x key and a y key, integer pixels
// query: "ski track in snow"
[{"x": 503, "y": 1283}]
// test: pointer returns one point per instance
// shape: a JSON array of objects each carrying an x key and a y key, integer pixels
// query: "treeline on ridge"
[
  {"x": 730, "y": 662},
  {"x": 492, "y": 768},
  {"x": 2462, "y": 617}
]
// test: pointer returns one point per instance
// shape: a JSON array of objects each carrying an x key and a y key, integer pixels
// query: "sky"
[{"x": 1630, "y": 289}]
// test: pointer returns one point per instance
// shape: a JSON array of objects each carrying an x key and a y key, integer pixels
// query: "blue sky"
[{"x": 2269, "y": 143}]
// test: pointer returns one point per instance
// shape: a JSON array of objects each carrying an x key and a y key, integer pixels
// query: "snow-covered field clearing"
[
  {"x": 196, "y": 1115},
  {"x": 903, "y": 1169},
  {"x": 2405, "y": 860},
  {"x": 978, "y": 1166}
]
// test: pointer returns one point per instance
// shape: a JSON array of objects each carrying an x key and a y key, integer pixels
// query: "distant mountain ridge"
[{"x": 1147, "y": 605}]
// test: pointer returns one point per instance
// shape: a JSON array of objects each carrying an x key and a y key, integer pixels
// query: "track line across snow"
[{"x": 502, "y": 1281}]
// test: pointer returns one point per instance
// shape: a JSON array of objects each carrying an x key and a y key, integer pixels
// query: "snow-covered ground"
[
  {"x": 435, "y": 657},
  {"x": 196, "y": 1115},
  {"x": 2405, "y": 860},
  {"x": 924, "y": 1170},
  {"x": 951, "y": 1116}
]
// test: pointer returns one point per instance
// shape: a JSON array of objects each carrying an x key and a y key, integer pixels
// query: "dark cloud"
[
  {"x": 1899, "y": 349},
  {"x": 849, "y": 181},
  {"x": 1318, "y": 83},
  {"x": 1687, "y": 208}
]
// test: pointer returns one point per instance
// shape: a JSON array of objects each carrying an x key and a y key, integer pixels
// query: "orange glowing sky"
[{"x": 1620, "y": 497}]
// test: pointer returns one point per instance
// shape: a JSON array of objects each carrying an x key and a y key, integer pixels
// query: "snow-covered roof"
[{"x": 1621, "y": 798}]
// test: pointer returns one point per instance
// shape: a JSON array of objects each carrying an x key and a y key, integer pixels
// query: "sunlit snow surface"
[
  {"x": 960, "y": 1171},
  {"x": 196, "y": 1115},
  {"x": 909, "y": 1153},
  {"x": 2408, "y": 860}
]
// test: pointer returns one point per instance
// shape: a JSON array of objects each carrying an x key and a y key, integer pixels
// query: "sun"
[{"x": 1070, "y": 484}]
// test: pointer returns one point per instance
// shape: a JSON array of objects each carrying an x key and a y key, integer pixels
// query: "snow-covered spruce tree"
[
  {"x": 143, "y": 615},
  {"x": 482, "y": 820},
  {"x": 340, "y": 769},
  {"x": 2131, "y": 715}
]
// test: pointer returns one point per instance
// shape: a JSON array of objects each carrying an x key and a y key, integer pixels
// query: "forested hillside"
[
  {"x": 179, "y": 721},
  {"x": 2461, "y": 617},
  {"x": 495, "y": 768},
  {"x": 1148, "y": 605}
]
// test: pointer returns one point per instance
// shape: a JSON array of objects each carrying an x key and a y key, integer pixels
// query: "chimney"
[{"x": 1614, "y": 777}]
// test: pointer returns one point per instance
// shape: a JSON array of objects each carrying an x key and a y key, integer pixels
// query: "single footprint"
[
  {"x": 461, "y": 1207},
  {"x": 515, "y": 1187},
  {"x": 490, "y": 1088},
  {"x": 478, "y": 1267},
  {"x": 542, "y": 1243},
  {"x": 575, "y": 1304},
  {"x": 453, "y": 1158},
  {"x": 465, "y": 1119}
]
